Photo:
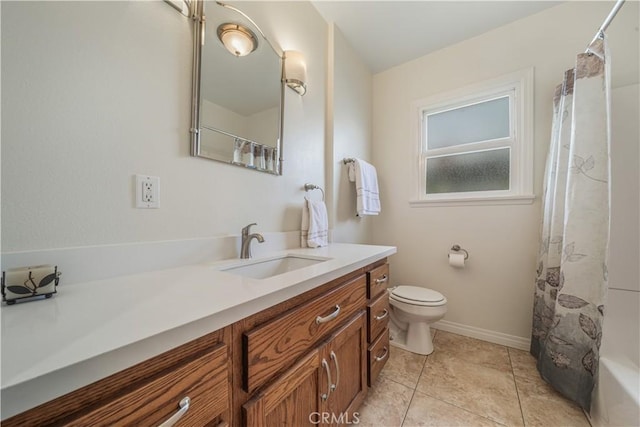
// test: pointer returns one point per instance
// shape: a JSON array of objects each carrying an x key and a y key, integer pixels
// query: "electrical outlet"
[{"x": 147, "y": 192}]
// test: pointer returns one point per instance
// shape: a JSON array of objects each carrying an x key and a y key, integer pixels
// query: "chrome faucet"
[{"x": 245, "y": 249}]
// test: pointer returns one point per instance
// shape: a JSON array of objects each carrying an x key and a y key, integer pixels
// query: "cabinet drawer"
[
  {"x": 270, "y": 348},
  {"x": 377, "y": 281},
  {"x": 377, "y": 356},
  {"x": 377, "y": 316},
  {"x": 204, "y": 380}
]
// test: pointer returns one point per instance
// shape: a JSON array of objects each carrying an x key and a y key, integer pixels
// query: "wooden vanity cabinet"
[
  {"x": 325, "y": 387},
  {"x": 291, "y": 399},
  {"x": 303, "y": 361},
  {"x": 378, "y": 312},
  {"x": 149, "y": 393},
  {"x": 278, "y": 355},
  {"x": 274, "y": 346},
  {"x": 348, "y": 369}
]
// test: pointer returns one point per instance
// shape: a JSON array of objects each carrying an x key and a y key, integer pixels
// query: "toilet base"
[{"x": 416, "y": 339}]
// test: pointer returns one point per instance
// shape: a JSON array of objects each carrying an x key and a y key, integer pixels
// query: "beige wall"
[
  {"x": 349, "y": 134},
  {"x": 95, "y": 92},
  {"x": 495, "y": 291}
]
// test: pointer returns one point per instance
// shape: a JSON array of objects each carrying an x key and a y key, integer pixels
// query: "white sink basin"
[{"x": 263, "y": 269}]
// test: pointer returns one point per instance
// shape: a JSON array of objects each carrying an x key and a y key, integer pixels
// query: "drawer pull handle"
[
  {"x": 382, "y": 279},
  {"x": 384, "y": 356},
  {"x": 335, "y": 360},
  {"x": 325, "y": 396},
  {"x": 384, "y": 314},
  {"x": 184, "y": 407},
  {"x": 329, "y": 317}
]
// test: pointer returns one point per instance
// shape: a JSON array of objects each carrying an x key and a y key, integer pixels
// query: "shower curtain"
[{"x": 571, "y": 280}]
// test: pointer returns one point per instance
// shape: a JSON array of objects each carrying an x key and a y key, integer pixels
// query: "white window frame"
[{"x": 518, "y": 86}]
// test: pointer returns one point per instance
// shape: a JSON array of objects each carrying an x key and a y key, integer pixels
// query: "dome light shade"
[{"x": 238, "y": 40}]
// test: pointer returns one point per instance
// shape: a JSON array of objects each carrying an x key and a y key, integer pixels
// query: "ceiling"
[{"x": 389, "y": 33}]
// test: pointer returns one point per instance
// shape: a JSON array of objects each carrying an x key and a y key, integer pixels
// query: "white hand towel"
[
  {"x": 367, "y": 194},
  {"x": 315, "y": 225},
  {"x": 304, "y": 228}
]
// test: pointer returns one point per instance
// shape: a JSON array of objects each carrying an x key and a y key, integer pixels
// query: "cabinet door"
[
  {"x": 346, "y": 352},
  {"x": 294, "y": 399}
]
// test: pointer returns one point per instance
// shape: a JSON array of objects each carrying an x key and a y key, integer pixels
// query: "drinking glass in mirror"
[{"x": 238, "y": 100}]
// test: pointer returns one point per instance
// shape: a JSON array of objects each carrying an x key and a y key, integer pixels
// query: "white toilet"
[{"x": 413, "y": 309}]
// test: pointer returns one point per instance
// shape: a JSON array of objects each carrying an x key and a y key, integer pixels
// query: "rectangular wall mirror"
[{"x": 237, "y": 107}]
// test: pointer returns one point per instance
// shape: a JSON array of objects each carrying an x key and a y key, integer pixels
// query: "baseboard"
[{"x": 483, "y": 334}]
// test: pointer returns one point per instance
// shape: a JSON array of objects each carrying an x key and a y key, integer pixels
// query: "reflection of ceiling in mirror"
[{"x": 245, "y": 85}]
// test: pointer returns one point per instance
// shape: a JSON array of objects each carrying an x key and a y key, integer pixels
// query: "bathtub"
[{"x": 617, "y": 394}]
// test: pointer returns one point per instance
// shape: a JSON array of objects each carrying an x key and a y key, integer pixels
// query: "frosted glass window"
[
  {"x": 478, "y": 171},
  {"x": 472, "y": 123}
]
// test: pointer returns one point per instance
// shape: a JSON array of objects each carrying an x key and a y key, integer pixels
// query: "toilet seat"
[{"x": 416, "y": 295}]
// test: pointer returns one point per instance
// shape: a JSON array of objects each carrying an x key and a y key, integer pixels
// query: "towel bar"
[
  {"x": 309, "y": 187},
  {"x": 348, "y": 160}
]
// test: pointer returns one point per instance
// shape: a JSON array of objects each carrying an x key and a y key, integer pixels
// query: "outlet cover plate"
[{"x": 147, "y": 192}]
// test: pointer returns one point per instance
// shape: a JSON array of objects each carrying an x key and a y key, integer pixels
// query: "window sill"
[{"x": 475, "y": 201}]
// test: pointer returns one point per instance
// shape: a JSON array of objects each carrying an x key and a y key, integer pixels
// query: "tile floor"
[{"x": 465, "y": 382}]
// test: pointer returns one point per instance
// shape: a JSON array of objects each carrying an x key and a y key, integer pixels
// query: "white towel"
[
  {"x": 315, "y": 224},
  {"x": 367, "y": 194}
]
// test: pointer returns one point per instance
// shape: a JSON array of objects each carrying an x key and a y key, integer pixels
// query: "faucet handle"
[{"x": 245, "y": 230}]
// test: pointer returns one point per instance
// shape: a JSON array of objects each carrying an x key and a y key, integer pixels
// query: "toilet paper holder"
[{"x": 457, "y": 248}]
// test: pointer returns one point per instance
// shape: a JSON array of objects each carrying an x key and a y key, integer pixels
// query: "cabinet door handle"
[
  {"x": 335, "y": 361},
  {"x": 382, "y": 279},
  {"x": 384, "y": 314},
  {"x": 384, "y": 355},
  {"x": 325, "y": 365},
  {"x": 329, "y": 317},
  {"x": 184, "y": 407}
]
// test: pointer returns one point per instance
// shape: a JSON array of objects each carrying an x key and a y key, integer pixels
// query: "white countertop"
[{"x": 91, "y": 330}]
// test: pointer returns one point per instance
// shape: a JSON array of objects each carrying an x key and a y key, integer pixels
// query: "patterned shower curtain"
[{"x": 571, "y": 278}]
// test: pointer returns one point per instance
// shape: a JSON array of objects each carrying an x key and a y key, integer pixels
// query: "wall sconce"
[
  {"x": 295, "y": 71},
  {"x": 238, "y": 40}
]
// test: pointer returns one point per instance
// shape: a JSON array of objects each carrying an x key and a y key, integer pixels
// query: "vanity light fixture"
[
  {"x": 238, "y": 40},
  {"x": 182, "y": 6},
  {"x": 295, "y": 71}
]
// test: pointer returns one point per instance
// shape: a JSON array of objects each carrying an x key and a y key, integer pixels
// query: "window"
[{"x": 474, "y": 145}]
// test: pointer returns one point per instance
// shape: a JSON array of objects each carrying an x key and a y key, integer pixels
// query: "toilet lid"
[{"x": 417, "y": 295}]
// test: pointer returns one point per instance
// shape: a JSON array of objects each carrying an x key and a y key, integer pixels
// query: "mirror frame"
[{"x": 199, "y": 26}]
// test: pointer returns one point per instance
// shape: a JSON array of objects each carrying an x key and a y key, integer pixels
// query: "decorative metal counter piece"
[{"x": 29, "y": 282}]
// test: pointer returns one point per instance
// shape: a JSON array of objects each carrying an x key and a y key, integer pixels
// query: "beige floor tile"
[
  {"x": 386, "y": 404},
  {"x": 523, "y": 364},
  {"x": 471, "y": 350},
  {"x": 403, "y": 367},
  {"x": 543, "y": 406},
  {"x": 483, "y": 390},
  {"x": 427, "y": 411},
  {"x": 373, "y": 416}
]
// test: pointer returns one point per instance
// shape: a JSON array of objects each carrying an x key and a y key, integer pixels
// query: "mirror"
[{"x": 237, "y": 107}]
